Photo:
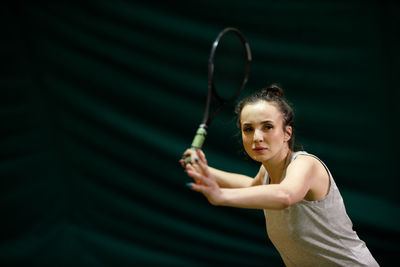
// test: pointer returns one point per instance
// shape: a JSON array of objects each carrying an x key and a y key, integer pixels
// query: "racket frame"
[{"x": 201, "y": 132}]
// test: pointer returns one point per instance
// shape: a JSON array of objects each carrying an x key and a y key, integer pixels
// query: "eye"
[
  {"x": 247, "y": 129},
  {"x": 268, "y": 127}
]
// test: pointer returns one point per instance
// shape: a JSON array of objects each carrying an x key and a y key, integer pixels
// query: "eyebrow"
[{"x": 263, "y": 122}]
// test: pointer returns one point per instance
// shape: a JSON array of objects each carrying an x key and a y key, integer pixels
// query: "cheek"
[
  {"x": 247, "y": 141},
  {"x": 279, "y": 136},
  {"x": 244, "y": 139}
]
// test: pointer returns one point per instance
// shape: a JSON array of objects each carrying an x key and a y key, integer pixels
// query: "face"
[{"x": 262, "y": 131}]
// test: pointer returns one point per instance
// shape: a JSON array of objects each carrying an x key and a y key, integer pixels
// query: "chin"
[{"x": 259, "y": 158}]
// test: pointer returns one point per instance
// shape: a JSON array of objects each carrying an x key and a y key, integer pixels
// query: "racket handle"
[{"x": 198, "y": 140}]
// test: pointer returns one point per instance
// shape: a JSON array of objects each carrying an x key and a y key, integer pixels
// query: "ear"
[{"x": 288, "y": 133}]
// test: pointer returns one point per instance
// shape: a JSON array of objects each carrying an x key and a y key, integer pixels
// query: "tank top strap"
[
  {"x": 297, "y": 153},
  {"x": 265, "y": 181}
]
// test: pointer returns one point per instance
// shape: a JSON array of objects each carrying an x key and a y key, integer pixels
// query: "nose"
[{"x": 258, "y": 136}]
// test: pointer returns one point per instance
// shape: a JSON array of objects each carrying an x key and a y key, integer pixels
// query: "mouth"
[{"x": 259, "y": 149}]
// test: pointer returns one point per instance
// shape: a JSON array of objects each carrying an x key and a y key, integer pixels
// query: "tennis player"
[{"x": 305, "y": 215}]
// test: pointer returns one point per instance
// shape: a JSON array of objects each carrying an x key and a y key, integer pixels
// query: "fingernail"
[
  {"x": 196, "y": 159},
  {"x": 185, "y": 171},
  {"x": 189, "y": 185}
]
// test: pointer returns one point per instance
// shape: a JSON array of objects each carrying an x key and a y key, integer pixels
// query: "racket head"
[{"x": 228, "y": 69}]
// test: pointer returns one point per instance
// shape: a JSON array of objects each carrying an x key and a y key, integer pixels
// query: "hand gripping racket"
[{"x": 228, "y": 70}]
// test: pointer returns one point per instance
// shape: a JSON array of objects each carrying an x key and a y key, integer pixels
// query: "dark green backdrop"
[{"x": 99, "y": 100}]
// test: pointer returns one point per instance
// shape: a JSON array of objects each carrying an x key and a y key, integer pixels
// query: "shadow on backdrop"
[{"x": 99, "y": 99}]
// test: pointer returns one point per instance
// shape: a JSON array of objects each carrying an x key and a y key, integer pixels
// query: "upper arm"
[{"x": 299, "y": 178}]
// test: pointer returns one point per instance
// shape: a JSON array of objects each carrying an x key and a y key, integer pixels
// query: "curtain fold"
[{"x": 99, "y": 100}]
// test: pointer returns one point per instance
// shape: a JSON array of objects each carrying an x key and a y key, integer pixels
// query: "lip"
[{"x": 259, "y": 149}]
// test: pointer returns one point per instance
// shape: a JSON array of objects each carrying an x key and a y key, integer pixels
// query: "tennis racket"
[{"x": 228, "y": 70}]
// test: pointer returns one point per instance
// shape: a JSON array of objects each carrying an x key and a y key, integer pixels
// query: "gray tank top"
[{"x": 317, "y": 233}]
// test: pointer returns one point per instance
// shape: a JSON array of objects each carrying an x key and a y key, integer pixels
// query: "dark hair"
[{"x": 271, "y": 94}]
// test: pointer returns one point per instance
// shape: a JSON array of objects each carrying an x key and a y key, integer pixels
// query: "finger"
[
  {"x": 194, "y": 157},
  {"x": 196, "y": 165},
  {"x": 187, "y": 152},
  {"x": 201, "y": 155},
  {"x": 198, "y": 177},
  {"x": 189, "y": 170},
  {"x": 182, "y": 162},
  {"x": 197, "y": 187},
  {"x": 203, "y": 166},
  {"x": 193, "y": 173},
  {"x": 190, "y": 152}
]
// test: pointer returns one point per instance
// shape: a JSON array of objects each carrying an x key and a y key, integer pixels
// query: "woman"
[{"x": 305, "y": 216}]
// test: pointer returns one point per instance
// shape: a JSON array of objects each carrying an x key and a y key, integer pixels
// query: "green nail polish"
[{"x": 189, "y": 185}]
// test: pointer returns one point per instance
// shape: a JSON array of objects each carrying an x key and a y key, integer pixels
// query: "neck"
[{"x": 276, "y": 165}]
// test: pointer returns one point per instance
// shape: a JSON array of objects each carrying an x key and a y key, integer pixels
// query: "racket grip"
[{"x": 198, "y": 140}]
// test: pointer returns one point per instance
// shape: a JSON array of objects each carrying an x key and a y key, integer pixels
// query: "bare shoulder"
[
  {"x": 314, "y": 172},
  {"x": 303, "y": 161},
  {"x": 307, "y": 168}
]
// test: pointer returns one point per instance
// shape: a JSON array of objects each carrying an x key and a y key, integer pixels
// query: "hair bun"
[{"x": 273, "y": 91}]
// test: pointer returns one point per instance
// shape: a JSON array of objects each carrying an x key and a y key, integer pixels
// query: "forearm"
[
  {"x": 230, "y": 180},
  {"x": 255, "y": 197}
]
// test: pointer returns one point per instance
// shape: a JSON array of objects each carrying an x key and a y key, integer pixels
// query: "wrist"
[{"x": 223, "y": 199}]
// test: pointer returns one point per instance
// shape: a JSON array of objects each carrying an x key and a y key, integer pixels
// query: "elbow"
[{"x": 285, "y": 200}]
